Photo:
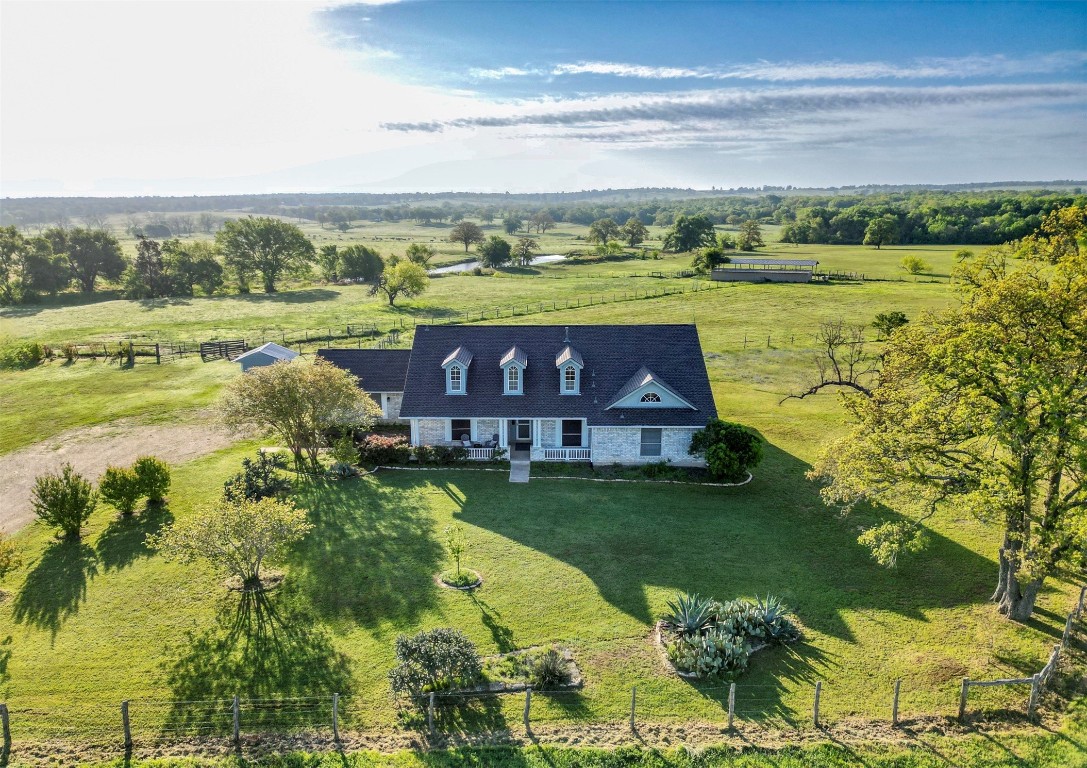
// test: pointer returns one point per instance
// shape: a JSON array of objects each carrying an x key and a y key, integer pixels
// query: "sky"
[{"x": 218, "y": 97}]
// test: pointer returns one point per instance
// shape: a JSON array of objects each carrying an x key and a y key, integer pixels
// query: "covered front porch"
[{"x": 524, "y": 439}]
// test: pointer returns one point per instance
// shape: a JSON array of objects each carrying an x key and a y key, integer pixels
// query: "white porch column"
[
  {"x": 415, "y": 432},
  {"x": 503, "y": 433},
  {"x": 536, "y": 433}
]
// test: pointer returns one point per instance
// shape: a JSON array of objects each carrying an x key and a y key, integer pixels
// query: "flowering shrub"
[{"x": 382, "y": 449}]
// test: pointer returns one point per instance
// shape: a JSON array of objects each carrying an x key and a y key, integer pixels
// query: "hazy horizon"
[{"x": 109, "y": 99}]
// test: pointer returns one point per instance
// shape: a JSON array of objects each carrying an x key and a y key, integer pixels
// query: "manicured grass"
[
  {"x": 47, "y": 400},
  {"x": 587, "y": 565}
]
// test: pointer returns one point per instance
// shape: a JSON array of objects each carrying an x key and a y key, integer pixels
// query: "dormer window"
[
  {"x": 513, "y": 365},
  {"x": 569, "y": 363},
  {"x": 569, "y": 380},
  {"x": 651, "y": 397},
  {"x": 456, "y": 371}
]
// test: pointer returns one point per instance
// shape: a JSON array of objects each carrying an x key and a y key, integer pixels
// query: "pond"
[{"x": 468, "y": 266}]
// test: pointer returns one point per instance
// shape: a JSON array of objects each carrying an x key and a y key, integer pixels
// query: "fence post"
[
  {"x": 1079, "y": 604},
  {"x": 430, "y": 714},
  {"x": 894, "y": 706},
  {"x": 336, "y": 716},
  {"x": 528, "y": 706},
  {"x": 237, "y": 721},
  {"x": 158, "y": 354},
  {"x": 5, "y": 724},
  {"x": 962, "y": 697},
  {"x": 731, "y": 703},
  {"x": 1067, "y": 630},
  {"x": 125, "y": 724},
  {"x": 1032, "y": 703},
  {"x": 815, "y": 708},
  {"x": 633, "y": 704}
]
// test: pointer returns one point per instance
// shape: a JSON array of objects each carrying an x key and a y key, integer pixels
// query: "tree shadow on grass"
[
  {"x": 56, "y": 586},
  {"x": 371, "y": 555},
  {"x": 500, "y": 633},
  {"x": 262, "y": 646},
  {"x": 125, "y": 539},
  {"x": 300, "y": 296},
  {"x": 772, "y": 535},
  {"x": 475, "y": 715}
]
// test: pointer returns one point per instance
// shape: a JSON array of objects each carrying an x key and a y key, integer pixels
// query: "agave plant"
[
  {"x": 690, "y": 614},
  {"x": 776, "y": 626}
]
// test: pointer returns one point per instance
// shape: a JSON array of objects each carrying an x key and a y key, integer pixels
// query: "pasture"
[{"x": 586, "y": 565}]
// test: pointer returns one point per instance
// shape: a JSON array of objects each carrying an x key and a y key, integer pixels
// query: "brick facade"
[{"x": 623, "y": 445}]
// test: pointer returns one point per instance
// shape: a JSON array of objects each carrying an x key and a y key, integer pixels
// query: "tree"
[
  {"x": 267, "y": 246},
  {"x": 28, "y": 266},
  {"x": 731, "y": 450},
  {"x": 511, "y": 223},
  {"x": 145, "y": 279},
  {"x": 328, "y": 261},
  {"x": 467, "y": 232},
  {"x": 689, "y": 233},
  {"x": 915, "y": 265},
  {"x": 120, "y": 487},
  {"x": 881, "y": 231},
  {"x": 91, "y": 253},
  {"x": 495, "y": 252},
  {"x": 886, "y": 322},
  {"x": 153, "y": 476},
  {"x": 421, "y": 254},
  {"x": 402, "y": 279},
  {"x": 1061, "y": 234},
  {"x": 981, "y": 409},
  {"x": 454, "y": 542},
  {"x": 603, "y": 230},
  {"x": 434, "y": 659},
  {"x": 186, "y": 265},
  {"x": 634, "y": 232},
  {"x": 239, "y": 539},
  {"x": 64, "y": 501},
  {"x": 708, "y": 259},
  {"x": 357, "y": 262},
  {"x": 260, "y": 479},
  {"x": 299, "y": 403},
  {"x": 543, "y": 222},
  {"x": 750, "y": 236},
  {"x": 487, "y": 216},
  {"x": 524, "y": 249}
]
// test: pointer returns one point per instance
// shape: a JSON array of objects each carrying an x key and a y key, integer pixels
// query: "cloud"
[
  {"x": 967, "y": 67},
  {"x": 746, "y": 107}
]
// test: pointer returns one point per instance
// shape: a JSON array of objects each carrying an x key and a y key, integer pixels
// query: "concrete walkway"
[{"x": 519, "y": 471}]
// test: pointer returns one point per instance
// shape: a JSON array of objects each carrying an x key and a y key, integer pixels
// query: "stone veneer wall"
[
  {"x": 431, "y": 431},
  {"x": 623, "y": 445},
  {"x": 395, "y": 400}
]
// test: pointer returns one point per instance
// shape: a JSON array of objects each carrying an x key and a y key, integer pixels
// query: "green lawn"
[{"x": 584, "y": 564}]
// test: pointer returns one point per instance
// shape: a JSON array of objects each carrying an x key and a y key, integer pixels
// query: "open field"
[{"x": 583, "y": 564}]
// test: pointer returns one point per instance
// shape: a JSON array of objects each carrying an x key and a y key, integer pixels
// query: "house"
[
  {"x": 265, "y": 354},
  {"x": 381, "y": 373},
  {"x": 626, "y": 394}
]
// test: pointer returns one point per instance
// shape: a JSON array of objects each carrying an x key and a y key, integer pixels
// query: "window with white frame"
[
  {"x": 651, "y": 441},
  {"x": 569, "y": 380},
  {"x": 513, "y": 380},
  {"x": 456, "y": 379},
  {"x": 460, "y": 429},
  {"x": 651, "y": 397}
]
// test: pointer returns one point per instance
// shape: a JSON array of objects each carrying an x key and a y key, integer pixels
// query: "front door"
[{"x": 520, "y": 434}]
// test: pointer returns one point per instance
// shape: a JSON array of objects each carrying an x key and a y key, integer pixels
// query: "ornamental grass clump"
[{"x": 705, "y": 638}]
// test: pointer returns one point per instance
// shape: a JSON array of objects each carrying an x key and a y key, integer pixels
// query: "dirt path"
[{"x": 90, "y": 450}]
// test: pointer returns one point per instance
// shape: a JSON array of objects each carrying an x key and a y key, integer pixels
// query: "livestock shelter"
[
  {"x": 265, "y": 354},
  {"x": 745, "y": 270}
]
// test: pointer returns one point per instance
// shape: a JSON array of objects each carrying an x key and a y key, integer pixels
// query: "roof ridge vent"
[{"x": 566, "y": 338}]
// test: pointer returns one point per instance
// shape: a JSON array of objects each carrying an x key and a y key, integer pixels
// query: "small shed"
[
  {"x": 745, "y": 270},
  {"x": 265, "y": 354}
]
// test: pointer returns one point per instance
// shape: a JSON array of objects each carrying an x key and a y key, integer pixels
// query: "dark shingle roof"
[
  {"x": 378, "y": 370},
  {"x": 612, "y": 354}
]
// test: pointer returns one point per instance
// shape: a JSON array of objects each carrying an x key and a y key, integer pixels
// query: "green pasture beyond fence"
[
  {"x": 136, "y": 722},
  {"x": 135, "y": 348}
]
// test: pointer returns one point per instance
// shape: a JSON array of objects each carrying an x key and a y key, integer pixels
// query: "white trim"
[{"x": 414, "y": 431}]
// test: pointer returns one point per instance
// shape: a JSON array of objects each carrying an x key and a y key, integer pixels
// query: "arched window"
[
  {"x": 570, "y": 379},
  {"x": 651, "y": 397},
  {"x": 455, "y": 380}
]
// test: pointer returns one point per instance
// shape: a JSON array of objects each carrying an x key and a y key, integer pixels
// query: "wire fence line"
[{"x": 808, "y": 705}]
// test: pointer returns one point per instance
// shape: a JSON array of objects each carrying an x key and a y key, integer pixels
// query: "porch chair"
[{"x": 493, "y": 442}]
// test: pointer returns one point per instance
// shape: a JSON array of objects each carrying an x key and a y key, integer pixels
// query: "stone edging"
[
  {"x": 466, "y": 588},
  {"x": 750, "y": 477}
]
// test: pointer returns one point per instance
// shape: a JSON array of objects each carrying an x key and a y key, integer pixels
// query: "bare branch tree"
[{"x": 843, "y": 360}]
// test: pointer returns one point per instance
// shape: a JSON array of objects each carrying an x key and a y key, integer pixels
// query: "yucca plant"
[{"x": 690, "y": 614}]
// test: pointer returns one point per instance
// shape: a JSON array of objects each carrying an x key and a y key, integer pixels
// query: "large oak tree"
[
  {"x": 981, "y": 409},
  {"x": 265, "y": 246}
]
